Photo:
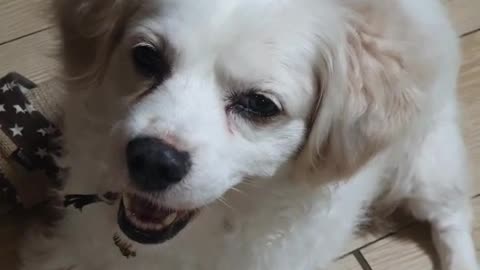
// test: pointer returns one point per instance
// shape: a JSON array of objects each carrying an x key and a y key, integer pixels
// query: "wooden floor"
[{"x": 27, "y": 43}]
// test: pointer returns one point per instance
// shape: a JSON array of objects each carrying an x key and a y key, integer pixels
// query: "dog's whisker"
[
  {"x": 239, "y": 191},
  {"x": 261, "y": 188},
  {"x": 251, "y": 184},
  {"x": 224, "y": 202}
]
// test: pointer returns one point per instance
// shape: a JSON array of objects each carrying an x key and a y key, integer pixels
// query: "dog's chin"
[{"x": 146, "y": 222}]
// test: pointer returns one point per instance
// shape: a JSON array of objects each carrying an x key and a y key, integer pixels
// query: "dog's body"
[{"x": 370, "y": 115}]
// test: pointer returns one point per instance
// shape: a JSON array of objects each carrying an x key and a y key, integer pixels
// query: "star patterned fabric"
[{"x": 30, "y": 133}]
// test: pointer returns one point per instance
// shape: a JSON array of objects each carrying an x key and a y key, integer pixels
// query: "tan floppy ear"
[
  {"x": 367, "y": 100},
  {"x": 89, "y": 29}
]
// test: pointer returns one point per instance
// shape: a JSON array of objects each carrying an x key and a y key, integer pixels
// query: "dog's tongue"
[{"x": 148, "y": 212}]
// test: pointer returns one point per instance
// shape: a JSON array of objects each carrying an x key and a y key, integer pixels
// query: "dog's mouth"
[{"x": 147, "y": 222}]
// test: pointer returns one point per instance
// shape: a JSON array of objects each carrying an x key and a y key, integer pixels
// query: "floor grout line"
[
  {"x": 26, "y": 35},
  {"x": 362, "y": 260},
  {"x": 471, "y": 32},
  {"x": 398, "y": 230}
]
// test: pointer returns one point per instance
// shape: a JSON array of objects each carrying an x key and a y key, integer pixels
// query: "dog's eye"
[
  {"x": 256, "y": 105},
  {"x": 149, "y": 61}
]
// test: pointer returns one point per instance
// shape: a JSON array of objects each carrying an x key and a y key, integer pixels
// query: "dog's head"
[{"x": 209, "y": 94}]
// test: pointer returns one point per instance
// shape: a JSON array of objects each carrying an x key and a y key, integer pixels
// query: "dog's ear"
[
  {"x": 88, "y": 30},
  {"x": 367, "y": 99}
]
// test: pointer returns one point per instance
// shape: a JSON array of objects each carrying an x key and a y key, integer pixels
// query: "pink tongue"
[{"x": 146, "y": 212}]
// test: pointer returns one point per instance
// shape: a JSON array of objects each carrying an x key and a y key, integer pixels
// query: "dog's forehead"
[
  {"x": 221, "y": 23},
  {"x": 266, "y": 32}
]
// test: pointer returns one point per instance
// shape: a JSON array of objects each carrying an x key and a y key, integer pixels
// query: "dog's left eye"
[
  {"x": 149, "y": 61},
  {"x": 256, "y": 105}
]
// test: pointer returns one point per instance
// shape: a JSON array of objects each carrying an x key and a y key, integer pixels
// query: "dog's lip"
[{"x": 158, "y": 226}]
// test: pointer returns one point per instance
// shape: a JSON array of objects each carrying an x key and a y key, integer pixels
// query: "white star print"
[
  {"x": 42, "y": 131},
  {"x": 2, "y": 108},
  {"x": 7, "y": 87},
  {"x": 17, "y": 131},
  {"x": 30, "y": 108},
  {"x": 41, "y": 152},
  {"x": 18, "y": 109},
  {"x": 23, "y": 89}
]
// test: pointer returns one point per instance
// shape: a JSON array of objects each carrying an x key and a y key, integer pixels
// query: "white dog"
[{"x": 254, "y": 134}]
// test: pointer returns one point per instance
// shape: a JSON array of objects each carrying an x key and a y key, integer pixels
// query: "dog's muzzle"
[{"x": 153, "y": 166}]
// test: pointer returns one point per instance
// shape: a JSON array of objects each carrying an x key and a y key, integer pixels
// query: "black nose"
[{"x": 154, "y": 165}]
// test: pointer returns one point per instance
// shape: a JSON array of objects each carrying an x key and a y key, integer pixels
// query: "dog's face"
[
  {"x": 215, "y": 93},
  {"x": 229, "y": 96}
]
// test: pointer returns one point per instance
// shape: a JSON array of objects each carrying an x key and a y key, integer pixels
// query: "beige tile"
[
  {"x": 32, "y": 56},
  {"x": 361, "y": 241},
  {"x": 367, "y": 237},
  {"x": 22, "y": 17},
  {"x": 410, "y": 249},
  {"x": 347, "y": 263},
  {"x": 469, "y": 93},
  {"x": 465, "y": 14}
]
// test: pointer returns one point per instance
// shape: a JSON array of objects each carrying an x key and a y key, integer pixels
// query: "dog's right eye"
[
  {"x": 150, "y": 62},
  {"x": 255, "y": 106}
]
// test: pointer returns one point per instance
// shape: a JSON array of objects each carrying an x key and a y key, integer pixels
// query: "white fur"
[{"x": 369, "y": 93}]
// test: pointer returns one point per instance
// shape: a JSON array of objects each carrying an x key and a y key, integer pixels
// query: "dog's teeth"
[
  {"x": 171, "y": 218},
  {"x": 129, "y": 213},
  {"x": 158, "y": 227},
  {"x": 146, "y": 226},
  {"x": 152, "y": 198},
  {"x": 137, "y": 223},
  {"x": 126, "y": 200}
]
